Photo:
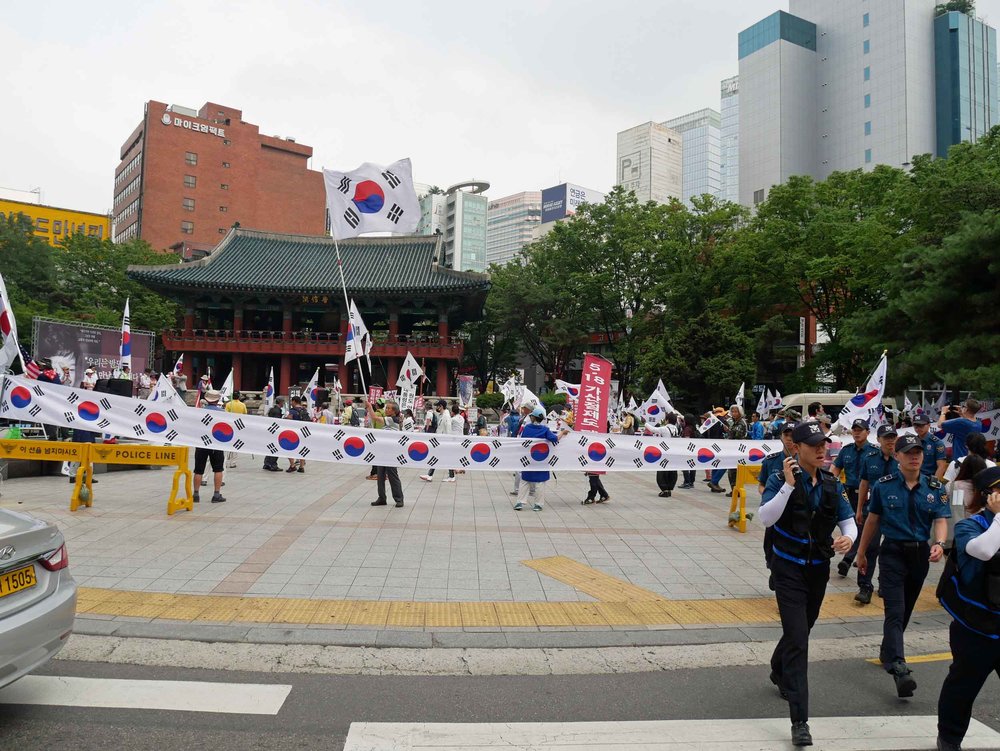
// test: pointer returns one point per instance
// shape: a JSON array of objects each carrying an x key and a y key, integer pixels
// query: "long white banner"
[{"x": 30, "y": 401}]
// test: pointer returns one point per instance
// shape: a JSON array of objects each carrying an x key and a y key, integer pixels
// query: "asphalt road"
[{"x": 320, "y": 708}]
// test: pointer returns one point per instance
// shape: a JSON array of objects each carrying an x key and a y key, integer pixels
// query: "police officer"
[
  {"x": 970, "y": 592},
  {"x": 903, "y": 506},
  {"x": 773, "y": 464},
  {"x": 851, "y": 460},
  {"x": 803, "y": 504},
  {"x": 935, "y": 455},
  {"x": 877, "y": 464}
]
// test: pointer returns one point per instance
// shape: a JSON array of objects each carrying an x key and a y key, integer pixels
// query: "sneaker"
[
  {"x": 801, "y": 735},
  {"x": 537, "y": 507},
  {"x": 844, "y": 567},
  {"x": 399, "y": 504},
  {"x": 426, "y": 478},
  {"x": 301, "y": 470},
  {"x": 448, "y": 479},
  {"x": 379, "y": 503},
  {"x": 864, "y": 596},
  {"x": 196, "y": 497},
  {"x": 518, "y": 506},
  {"x": 605, "y": 499},
  {"x": 587, "y": 501},
  {"x": 905, "y": 685},
  {"x": 513, "y": 493},
  {"x": 217, "y": 498}
]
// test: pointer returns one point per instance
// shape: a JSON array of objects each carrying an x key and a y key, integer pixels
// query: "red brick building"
[{"x": 186, "y": 177}]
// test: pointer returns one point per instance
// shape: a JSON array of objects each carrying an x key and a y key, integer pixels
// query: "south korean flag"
[{"x": 372, "y": 198}]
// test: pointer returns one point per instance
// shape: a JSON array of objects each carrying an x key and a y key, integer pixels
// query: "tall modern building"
[
  {"x": 186, "y": 176},
  {"x": 965, "y": 53},
  {"x": 459, "y": 214},
  {"x": 510, "y": 225},
  {"x": 650, "y": 159},
  {"x": 834, "y": 86},
  {"x": 701, "y": 132},
  {"x": 729, "y": 167}
]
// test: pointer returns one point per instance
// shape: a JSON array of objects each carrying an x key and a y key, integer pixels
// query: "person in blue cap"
[
  {"x": 877, "y": 464},
  {"x": 804, "y": 505},
  {"x": 970, "y": 591},
  {"x": 851, "y": 461},
  {"x": 904, "y": 507},
  {"x": 533, "y": 482},
  {"x": 935, "y": 454}
]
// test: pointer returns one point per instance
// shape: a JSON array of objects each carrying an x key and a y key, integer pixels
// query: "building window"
[
  {"x": 868, "y": 156},
  {"x": 190, "y": 181},
  {"x": 867, "y": 46},
  {"x": 758, "y": 196},
  {"x": 868, "y": 73},
  {"x": 190, "y": 157},
  {"x": 868, "y": 101},
  {"x": 222, "y": 231},
  {"x": 225, "y": 165},
  {"x": 868, "y": 128},
  {"x": 187, "y": 228},
  {"x": 865, "y": 20},
  {"x": 188, "y": 204},
  {"x": 223, "y": 209},
  {"x": 226, "y": 141},
  {"x": 224, "y": 186}
]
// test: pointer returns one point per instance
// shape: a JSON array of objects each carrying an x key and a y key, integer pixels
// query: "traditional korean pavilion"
[{"x": 263, "y": 300}]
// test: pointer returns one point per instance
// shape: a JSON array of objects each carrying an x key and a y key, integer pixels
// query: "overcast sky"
[{"x": 523, "y": 93}]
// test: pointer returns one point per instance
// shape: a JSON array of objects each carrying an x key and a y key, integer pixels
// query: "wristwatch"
[{"x": 939, "y": 542}]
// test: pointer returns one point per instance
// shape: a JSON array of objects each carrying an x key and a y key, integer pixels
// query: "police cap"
[
  {"x": 885, "y": 430},
  {"x": 987, "y": 479},
  {"x": 809, "y": 432},
  {"x": 908, "y": 443},
  {"x": 922, "y": 419}
]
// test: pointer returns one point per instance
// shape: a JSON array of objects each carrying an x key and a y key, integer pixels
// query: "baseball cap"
[
  {"x": 788, "y": 427},
  {"x": 809, "y": 432},
  {"x": 884, "y": 430},
  {"x": 922, "y": 419},
  {"x": 859, "y": 423},
  {"x": 793, "y": 414},
  {"x": 538, "y": 412},
  {"x": 987, "y": 479},
  {"x": 908, "y": 443},
  {"x": 212, "y": 396}
]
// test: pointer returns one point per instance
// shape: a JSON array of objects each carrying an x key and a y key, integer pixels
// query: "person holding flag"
[
  {"x": 125, "y": 348},
  {"x": 312, "y": 389}
]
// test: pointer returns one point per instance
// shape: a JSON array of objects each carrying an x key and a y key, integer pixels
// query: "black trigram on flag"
[
  {"x": 339, "y": 434},
  {"x": 741, "y": 461},
  {"x": 664, "y": 446},
  {"x": 553, "y": 461},
  {"x": 691, "y": 463},
  {"x": 272, "y": 448},
  {"x": 583, "y": 460},
  {"x": 466, "y": 443},
  {"x": 352, "y": 218},
  {"x": 665, "y": 462},
  {"x": 138, "y": 429},
  {"x": 140, "y": 410},
  {"x": 716, "y": 463},
  {"x": 610, "y": 462},
  {"x": 765, "y": 448},
  {"x": 273, "y": 428},
  {"x": 73, "y": 398},
  {"x": 369, "y": 457},
  {"x": 638, "y": 445},
  {"x": 464, "y": 461},
  {"x": 105, "y": 403},
  {"x": 207, "y": 440},
  {"x": 401, "y": 459},
  {"x": 103, "y": 424},
  {"x": 338, "y": 454},
  {"x": 390, "y": 178},
  {"x": 370, "y": 437},
  {"x": 742, "y": 447},
  {"x": 716, "y": 447},
  {"x": 239, "y": 425},
  {"x": 496, "y": 444},
  {"x": 303, "y": 451},
  {"x": 611, "y": 443},
  {"x": 305, "y": 432},
  {"x": 494, "y": 461},
  {"x": 434, "y": 442},
  {"x": 206, "y": 420},
  {"x": 395, "y": 214},
  {"x": 691, "y": 447},
  {"x": 34, "y": 410},
  {"x": 238, "y": 444},
  {"x": 583, "y": 440},
  {"x": 345, "y": 185},
  {"x": 432, "y": 461},
  {"x": 525, "y": 461},
  {"x": 69, "y": 416},
  {"x": 171, "y": 435},
  {"x": 38, "y": 391},
  {"x": 638, "y": 463},
  {"x": 525, "y": 444},
  {"x": 403, "y": 441},
  {"x": 172, "y": 414}
]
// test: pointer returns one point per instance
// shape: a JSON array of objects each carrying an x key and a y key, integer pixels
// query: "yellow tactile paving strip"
[{"x": 619, "y": 604}]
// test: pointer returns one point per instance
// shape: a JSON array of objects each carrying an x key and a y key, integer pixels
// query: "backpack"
[
  {"x": 434, "y": 423},
  {"x": 355, "y": 419}
]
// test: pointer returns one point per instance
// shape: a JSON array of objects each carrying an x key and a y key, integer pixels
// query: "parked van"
[{"x": 832, "y": 403}]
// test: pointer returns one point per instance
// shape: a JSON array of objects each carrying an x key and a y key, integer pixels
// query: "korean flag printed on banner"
[{"x": 372, "y": 198}]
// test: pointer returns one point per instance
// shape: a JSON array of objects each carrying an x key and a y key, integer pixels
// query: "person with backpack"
[
  {"x": 970, "y": 591},
  {"x": 297, "y": 412},
  {"x": 481, "y": 426}
]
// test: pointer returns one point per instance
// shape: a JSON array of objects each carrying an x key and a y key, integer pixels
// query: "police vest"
[
  {"x": 804, "y": 536},
  {"x": 977, "y": 611}
]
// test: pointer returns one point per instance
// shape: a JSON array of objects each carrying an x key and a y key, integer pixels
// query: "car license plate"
[{"x": 15, "y": 581}]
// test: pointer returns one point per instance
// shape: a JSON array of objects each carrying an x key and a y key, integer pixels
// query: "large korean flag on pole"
[
  {"x": 372, "y": 198},
  {"x": 125, "y": 349}
]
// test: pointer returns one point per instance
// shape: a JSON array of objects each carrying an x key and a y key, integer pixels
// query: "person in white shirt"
[
  {"x": 976, "y": 443},
  {"x": 444, "y": 427},
  {"x": 145, "y": 383},
  {"x": 408, "y": 424},
  {"x": 89, "y": 379}
]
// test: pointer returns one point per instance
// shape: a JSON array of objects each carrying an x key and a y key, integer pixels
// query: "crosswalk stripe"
[
  {"x": 181, "y": 696},
  {"x": 915, "y": 733}
]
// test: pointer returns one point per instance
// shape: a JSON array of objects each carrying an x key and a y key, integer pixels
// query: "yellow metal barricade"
[
  {"x": 181, "y": 496},
  {"x": 746, "y": 474},
  {"x": 54, "y": 451}
]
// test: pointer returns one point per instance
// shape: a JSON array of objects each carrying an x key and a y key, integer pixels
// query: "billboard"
[
  {"x": 54, "y": 224},
  {"x": 79, "y": 347},
  {"x": 563, "y": 200}
]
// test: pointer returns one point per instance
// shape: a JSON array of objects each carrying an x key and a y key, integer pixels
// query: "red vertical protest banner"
[{"x": 595, "y": 394}]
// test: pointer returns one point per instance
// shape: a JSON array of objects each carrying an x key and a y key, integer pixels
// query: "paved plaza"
[{"x": 309, "y": 549}]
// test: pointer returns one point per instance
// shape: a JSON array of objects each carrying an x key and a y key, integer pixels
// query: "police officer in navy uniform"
[
  {"x": 935, "y": 455},
  {"x": 773, "y": 464},
  {"x": 804, "y": 505},
  {"x": 970, "y": 591},
  {"x": 904, "y": 506},
  {"x": 877, "y": 464},
  {"x": 851, "y": 460}
]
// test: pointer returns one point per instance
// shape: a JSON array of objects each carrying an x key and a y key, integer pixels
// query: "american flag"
[{"x": 31, "y": 369}]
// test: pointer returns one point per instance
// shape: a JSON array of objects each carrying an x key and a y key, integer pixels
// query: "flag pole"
[{"x": 347, "y": 306}]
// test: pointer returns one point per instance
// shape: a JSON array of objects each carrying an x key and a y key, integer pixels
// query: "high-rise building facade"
[
  {"x": 510, "y": 225},
  {"x": 186, "y": 176},
  {"x": 459, "y": 215},
  {"x": 650, "y": 162},
  {"x": 701, "y": 164},
  {"x": 729, "y": 167},
  {"x": 836, "y": 86},
  {"x": 965, "y": 52}
]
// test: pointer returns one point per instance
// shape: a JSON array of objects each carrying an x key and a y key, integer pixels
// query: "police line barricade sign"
[
  {"x": 181, "y": 495},
  {"x": 24, "y": 399},
  {"x": 56, "y": 451}
]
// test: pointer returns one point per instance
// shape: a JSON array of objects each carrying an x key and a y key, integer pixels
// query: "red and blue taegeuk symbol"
[
  {"x": 597, "y": 452},
  {"x": 755, "y": 455},
  {"x": 289, "y": 440},
  {"x": 417, "y": 451},
  {"x": 368, "y": 197},
  {"x": 862, "y": 399},
  {"x": 222, "y": 432},
  {"x": 268, "y": 391},
  {"x": 651, "y": 454},
  {"x": 155, "y": 422},
  {"x": 354, "y": 446},
  {"x": 653, "y": 410},
  {"x": 20, "y": 397},
  {"x": 540, "y": 452},
  {"x": 126, "y": 344},
  {"x": 573, "y": 391},
  {"x": 480, "y": 452},
  {"x": 88, "y": 411},
  {"x": 705, "y": 455}
]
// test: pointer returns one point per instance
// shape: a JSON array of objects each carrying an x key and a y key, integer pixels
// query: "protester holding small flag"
[{"x": 533, "y": 482}]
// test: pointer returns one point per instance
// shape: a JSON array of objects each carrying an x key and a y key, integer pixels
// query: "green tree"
[{"x": 28, "y": 270}]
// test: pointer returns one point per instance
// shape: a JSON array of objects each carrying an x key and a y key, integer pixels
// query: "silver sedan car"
[{"x": 37, "y": 594}]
